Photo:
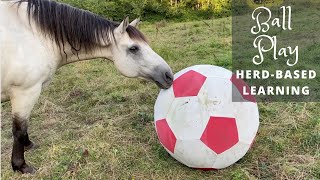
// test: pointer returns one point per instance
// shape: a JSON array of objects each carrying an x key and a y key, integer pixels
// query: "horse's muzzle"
[{"x": 164, "y": 79}]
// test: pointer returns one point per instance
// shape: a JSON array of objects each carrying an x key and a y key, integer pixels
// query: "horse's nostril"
[{"x": 169, "y": 77}]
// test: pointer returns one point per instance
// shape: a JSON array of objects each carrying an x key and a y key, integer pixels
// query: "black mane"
[{"x": 81, "y": 29}]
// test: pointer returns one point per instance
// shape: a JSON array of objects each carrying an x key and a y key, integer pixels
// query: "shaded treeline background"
[{"x": 155, "y": 10}]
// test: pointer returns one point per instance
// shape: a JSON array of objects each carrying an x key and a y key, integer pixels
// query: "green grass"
[{"x": 90, "y": 107}]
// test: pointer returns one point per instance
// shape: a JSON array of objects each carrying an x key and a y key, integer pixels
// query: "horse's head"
[{"x": 133, "y": 57}]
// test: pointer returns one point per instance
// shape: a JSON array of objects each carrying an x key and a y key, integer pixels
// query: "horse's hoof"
[
  {"x": 32, "y": 146},
  {"x": 25, "y": 169},
  {"x": 28, "y": 170}
]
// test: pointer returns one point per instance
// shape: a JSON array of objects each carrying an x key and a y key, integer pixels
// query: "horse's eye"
[{"x": 134, "y": 49}]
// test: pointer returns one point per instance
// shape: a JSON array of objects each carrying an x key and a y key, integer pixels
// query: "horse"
[{"x": 39, "y": 36}]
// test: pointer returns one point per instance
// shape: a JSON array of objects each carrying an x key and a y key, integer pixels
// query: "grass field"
[{"x": 93, "y": 123}]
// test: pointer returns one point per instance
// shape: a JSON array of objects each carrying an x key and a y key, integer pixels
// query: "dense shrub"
[{"x": 155, "y": 10}]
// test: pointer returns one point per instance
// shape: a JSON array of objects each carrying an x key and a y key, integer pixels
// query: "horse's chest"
[{"x": 26, "y": 69}]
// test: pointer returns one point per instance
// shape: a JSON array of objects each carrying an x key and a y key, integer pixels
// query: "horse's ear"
[
  {"x": 135, "y": 23},
  {"x": 123, "y": 25}
]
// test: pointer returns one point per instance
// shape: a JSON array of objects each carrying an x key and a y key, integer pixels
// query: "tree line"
[{"x": 155, "y": 10}]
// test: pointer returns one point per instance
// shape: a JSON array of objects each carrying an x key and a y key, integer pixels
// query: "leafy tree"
[{"x": 154, "y": 10}]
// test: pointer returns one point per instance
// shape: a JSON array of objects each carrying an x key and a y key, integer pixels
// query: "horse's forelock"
[{"x": 134, "y": 33}]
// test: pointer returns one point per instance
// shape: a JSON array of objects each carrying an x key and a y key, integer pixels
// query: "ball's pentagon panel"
[
  {"x": 165, "y": 134},
  {"x": 239, "y": 84},
  {"x": 188, "y": 84},
  {"x": 220, "y": 134}
]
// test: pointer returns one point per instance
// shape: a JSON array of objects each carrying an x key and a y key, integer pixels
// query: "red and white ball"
[{"x": 197, "y": 122}]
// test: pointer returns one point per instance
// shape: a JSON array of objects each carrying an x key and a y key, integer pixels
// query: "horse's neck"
[{"x": 68, "y": 57}]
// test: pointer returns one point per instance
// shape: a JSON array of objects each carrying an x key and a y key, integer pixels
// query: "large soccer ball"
[{"x": 197, "y": 122}]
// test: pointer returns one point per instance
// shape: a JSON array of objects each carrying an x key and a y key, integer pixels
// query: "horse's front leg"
[{"x": 22, "y": 101}]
